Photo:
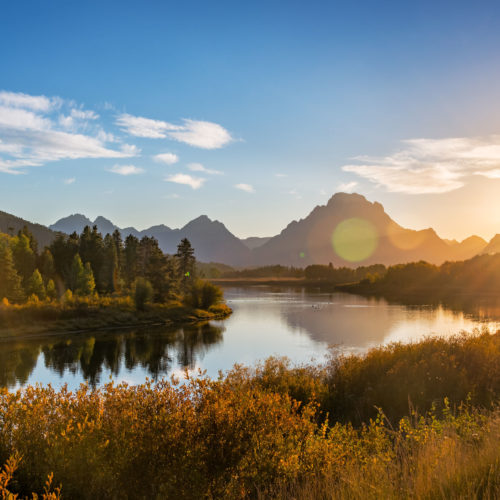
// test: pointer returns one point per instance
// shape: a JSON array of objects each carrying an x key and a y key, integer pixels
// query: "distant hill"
[
  {"x": 10, "y": 224},
  {"x": 255, "y": 241},
  {"x": 311, "y": 240},
  {"x": 493, "y": 246},
  {"x": 469, "y": 247}
]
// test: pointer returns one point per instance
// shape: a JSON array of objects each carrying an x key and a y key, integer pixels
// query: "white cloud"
[
  {"x": 432, "y": 165},
  {"x": 188, "y": 180},
  {"x": 167, "y": 158},
  {"x": 280, "y": 176},
  {"x": 84, "y": 114},
  {"x": 69, "y": 181},
  {"x": 198, "y": 167},
  {"x": 26, "y": 101},
  {"x": 143, "y": 127},
  {"x": 245, "y": 187},
  {"x": 206, "y": 135},
  {"x": 126, "y": 170},
  {"x": 347, "y": 187},
  {"x": 30, "y": 134},
  {"x": 200, "y": 134}
]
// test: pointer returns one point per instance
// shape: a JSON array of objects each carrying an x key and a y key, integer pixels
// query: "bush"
[{"x": 203, "y": 295}]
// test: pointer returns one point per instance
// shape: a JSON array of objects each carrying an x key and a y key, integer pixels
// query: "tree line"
[{"x": 89, "y": 264}]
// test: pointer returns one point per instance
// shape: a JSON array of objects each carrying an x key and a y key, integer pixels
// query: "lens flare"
[{"x": 355, "y": 239}]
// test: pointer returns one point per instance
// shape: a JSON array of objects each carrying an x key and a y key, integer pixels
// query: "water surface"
[{"x": 295, "y": 322}]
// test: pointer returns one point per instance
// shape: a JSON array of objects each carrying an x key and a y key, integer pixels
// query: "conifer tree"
[
  {"x": 24, "y": 257},
  {"x": 185, "y": 261},
  {"x": 76, "y": 273},
  {"x": 35, "y": 285},
  {"x": 51, "y": 290},
  {"x": 10, "y": 281},
  {"x": 86, "y": 282}
]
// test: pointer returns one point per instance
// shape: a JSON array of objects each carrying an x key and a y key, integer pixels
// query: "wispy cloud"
[
  {"x": 200, "y": 134},
  {"x": 144, "y": 127},
  {"x": 432, "y": 165},
  {"x": 245, "y": 187},
  {"x": 69, "y": 181},
  {"x": 347, "y": 187},
  {"x": 126, "y": 170},
  {"x": 167, "y": 158},
  {"x": 32, "y": 133},
  {"x": 280, "y": 176},
  {"x": 198, "y": 167},
  {"x": 188, "y": 180},
  {"x": 26, "y": 101}
]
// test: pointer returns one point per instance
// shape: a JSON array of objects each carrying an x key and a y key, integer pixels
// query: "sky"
[{"x": 252, "y": 113}]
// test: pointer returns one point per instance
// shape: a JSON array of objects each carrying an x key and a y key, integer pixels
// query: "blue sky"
[{"x": 261, "y": 111}]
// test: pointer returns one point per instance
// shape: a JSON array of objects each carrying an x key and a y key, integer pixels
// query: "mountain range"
[{"x": 308, "y": 241}]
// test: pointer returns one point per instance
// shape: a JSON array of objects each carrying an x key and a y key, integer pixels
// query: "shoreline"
[{"x": 37, "y": 327}]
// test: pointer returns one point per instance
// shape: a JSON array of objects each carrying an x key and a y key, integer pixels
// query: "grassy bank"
[
  {"x": 414, "y": 421},
  {"x": 90, "y": 313}
]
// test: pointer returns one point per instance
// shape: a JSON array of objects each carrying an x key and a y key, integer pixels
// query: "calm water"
[{"x": 266, "y": 321}]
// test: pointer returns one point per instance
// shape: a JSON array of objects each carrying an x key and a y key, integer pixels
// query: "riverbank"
[{"x": 36, "y": 318}]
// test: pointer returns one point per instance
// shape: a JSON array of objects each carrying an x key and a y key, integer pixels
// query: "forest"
[{"x": 85, "y": 270}]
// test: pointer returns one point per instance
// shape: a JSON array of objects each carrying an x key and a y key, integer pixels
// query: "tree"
[
  {"x": 51, "y": 290},
  {"x": 143, "y": 293},
  {"x": 10, "y": 281},
  {"x": 130, "y": 259},
  {"x": 24, "y": 257},
  {"x": 35, "y": 285},
  {"x": 46, "y": 265},
  {"x": 185, "y": 261},
  {"x": 76, "y": 273},
  {"x": 86, "y": 282}
]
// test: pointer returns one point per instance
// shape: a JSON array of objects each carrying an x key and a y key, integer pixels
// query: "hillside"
[{"x": 10, "y": 224}]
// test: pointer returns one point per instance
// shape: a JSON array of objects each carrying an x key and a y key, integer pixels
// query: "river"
[{"x": 267, "y": 321}]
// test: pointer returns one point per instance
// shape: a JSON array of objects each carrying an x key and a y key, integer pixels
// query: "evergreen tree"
[
  {"x": 76, "y": 273},
  {"x": 51, "y": 290},
  {"x": 109, "y": 272},
  {"x": 185, "y": 261},
  {"x": 130, "y": 259},
  {"x": 10, "y": 281},
  {"x": 24, "y": 257},
  {"x": 35, "y": 285},
  {"x": 47, "y": 266},
  {"x": 63, "y": 250},
  {"x": 86, "y": 282}
]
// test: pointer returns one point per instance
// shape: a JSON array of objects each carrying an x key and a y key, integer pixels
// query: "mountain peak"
[{"x": 347, "y": 198}]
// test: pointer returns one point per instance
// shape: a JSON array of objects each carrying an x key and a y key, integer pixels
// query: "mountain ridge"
[{"x": 302, "y": 242}]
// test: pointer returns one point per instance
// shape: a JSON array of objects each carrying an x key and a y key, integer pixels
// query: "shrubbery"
[{"x": 274, "y": 431}]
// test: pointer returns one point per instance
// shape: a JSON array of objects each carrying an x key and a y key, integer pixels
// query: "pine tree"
[
  {"x": 24, "y": 257},
  {"x": 35, "y": 285},
  {"x": 46, "y": 265},
  {"x": 185, "y": 261},
  {"x": 86, "y": 282},
  {"x": 10, "y": 281},
  {"x": 51, "y": 290},
  {"x": 76, "y": 273}
]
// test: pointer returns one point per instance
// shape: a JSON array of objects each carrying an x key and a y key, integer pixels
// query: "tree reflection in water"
[{"x": 155, "y": 350}]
